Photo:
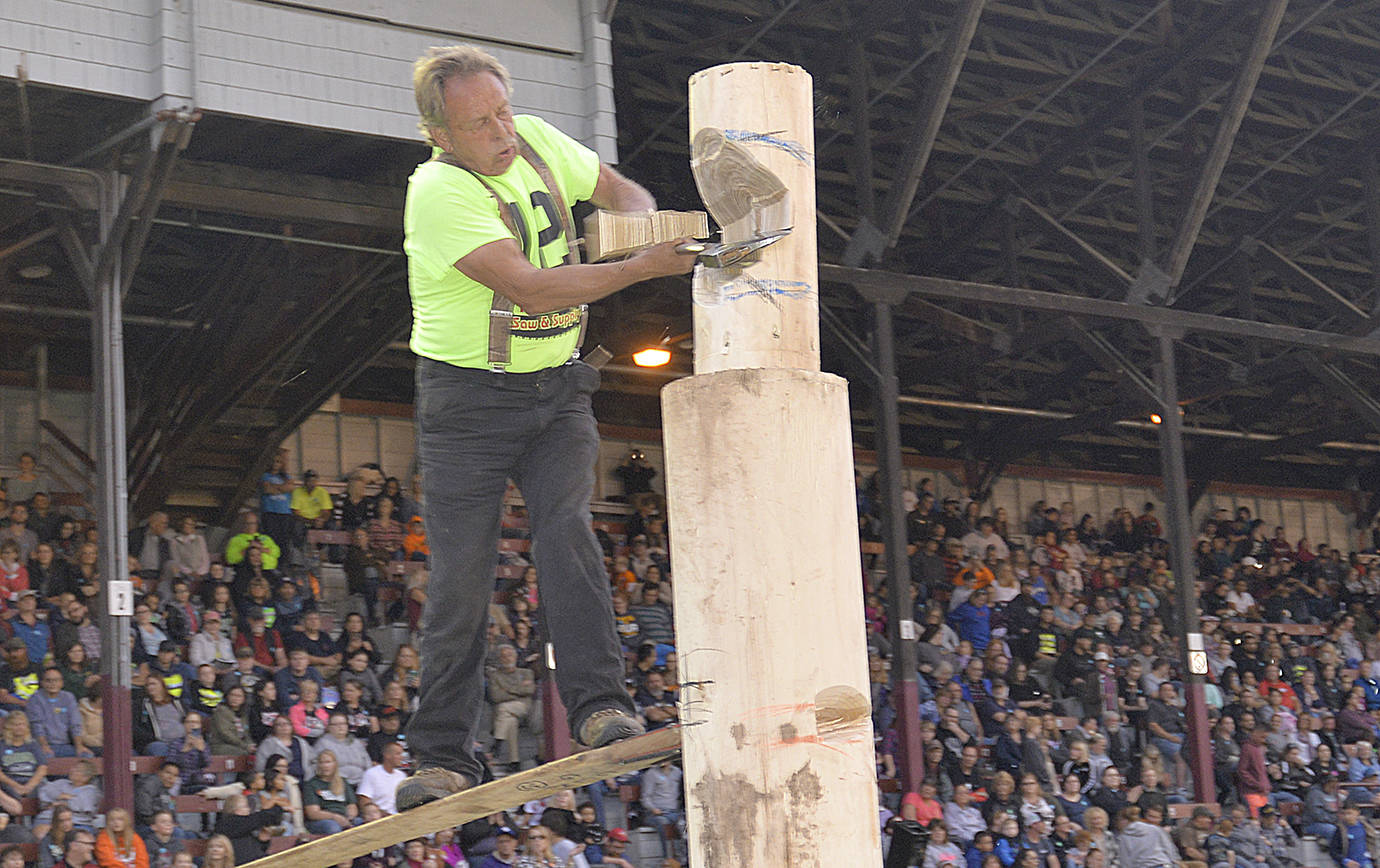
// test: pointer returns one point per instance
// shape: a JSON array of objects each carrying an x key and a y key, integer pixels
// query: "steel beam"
[
  {"x": 1197, "y": 752},
  {"x": 1371, "y": 179},
  {"x": 1355, "y": 319},
  {"x": 920, "y": 141},
  {"x": 1069, "y": 242},
  {"x": 1137, "y": 386},
  {"x": 1100, "y": 308},
  {"x": 1358, "y": 398},
  {"x": 1176, "y": 260}
]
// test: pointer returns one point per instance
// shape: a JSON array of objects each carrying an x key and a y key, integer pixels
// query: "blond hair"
[{"x": 439, "y": 65}]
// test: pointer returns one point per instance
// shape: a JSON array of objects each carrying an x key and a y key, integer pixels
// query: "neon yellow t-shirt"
[{"x": 449, "y": 214}]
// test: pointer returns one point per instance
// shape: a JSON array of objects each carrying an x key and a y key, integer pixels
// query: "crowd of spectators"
[
  {"x": 232, "y": 657},
  {"x": 1051, "y": 678}
]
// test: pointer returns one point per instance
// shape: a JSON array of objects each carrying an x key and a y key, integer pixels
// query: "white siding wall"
[{"x": 345, "y": 65}]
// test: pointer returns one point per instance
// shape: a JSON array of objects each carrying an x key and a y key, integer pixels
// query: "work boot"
[
  {"x": 428, "y": 785},
  {"x": 608, "y": 725}
]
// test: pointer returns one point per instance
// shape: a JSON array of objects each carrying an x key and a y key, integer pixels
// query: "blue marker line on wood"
[{"x": 790, "y": 146}]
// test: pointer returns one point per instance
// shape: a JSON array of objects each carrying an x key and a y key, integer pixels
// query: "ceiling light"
[{"x": 1155, "y": 419}]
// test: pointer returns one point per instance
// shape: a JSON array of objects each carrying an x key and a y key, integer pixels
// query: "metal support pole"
[
  {"x": 1197, "y": 750},
  {"x": 112, "y": 503},
  {"x": 905, "y": 693}
]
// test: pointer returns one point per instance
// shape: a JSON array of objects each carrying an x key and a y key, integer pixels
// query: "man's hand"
[{"x": 663, "y": 260}]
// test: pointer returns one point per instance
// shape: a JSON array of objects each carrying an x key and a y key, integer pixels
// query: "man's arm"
[
  {"x": 500, "y": 266},
  {"x": 616, "y": 192}
]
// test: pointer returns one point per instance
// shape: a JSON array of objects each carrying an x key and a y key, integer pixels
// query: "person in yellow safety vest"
[
  {"x": 177, "y": 676},
  {"x": 18, "y": 677}
]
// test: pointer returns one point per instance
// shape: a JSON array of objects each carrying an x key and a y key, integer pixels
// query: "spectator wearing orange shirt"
[
  {"x": 414, "y": 544},
  {"x": 117, "y": 846}
]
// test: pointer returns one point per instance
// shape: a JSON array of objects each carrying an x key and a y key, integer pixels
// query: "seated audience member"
[
  {"x": 229, "y": 733},
  {"x": 157, "y": 792},
  {"x": 157, "y": 718},
  {"x": 23, "y": 764},
  {"x": 18, "y": 677},
  {"x": 192, "y": 755},
  {"x": 190, "y": 557},
  {"x": 349, "y": 752},
  {"x": 76, "y": 794},
  {"x": 117, "y": 845},
  {"x": 379, "y": 781},
  {"x": 307, "y": 715},
  {"x": 328, "y": 800},
  {"x": 211, "y": 647},
  {"x": 164, "y": 840},
  {"x": 359, "y": 669},
  {"x": 220, "y": 853},
  {"x": 51, "y": 846},
  {"x": 657, "y": 705},
  {"x": 205, "y": 694},
  {"x": 1349, "y": 846},
  {"x": 284, "y": 742},
  {"x": 55, "y": 718},
  {"x": 322, "y": 653},
  {"x": 284, "y": 790},
  {"x": 511, "y": 690},
  {"x": 289, "y": 678},
  {"x": 247, "y": 831},
  {"x": 247, "y": 673},
  {"x": 655, "y": 623},
  {"x": 238, "y": 545},
  {"x": 79, "y": 673}
]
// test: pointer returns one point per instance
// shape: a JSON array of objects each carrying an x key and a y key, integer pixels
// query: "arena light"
[
  {"x": 1155, "y": 419},
  {"x": 652, "y": 357}
]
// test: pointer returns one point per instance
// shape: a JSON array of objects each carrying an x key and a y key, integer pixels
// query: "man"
[
  {"x": 1035, "y": 837},
  {"x": 78, "y": 627},
  {"x": 275, "y": 500},
  {"x": 655, "y": 703},
  {"x": 247, "y": 672},
  {"x": 263, "y": 642},
  {"x": 655, "y": 623},
  {"x": 237, "y": 546},
  {"x": 963, "y": 818},
  {"x": 18, "y": 677},
  {"x": 210, "y": 646},
  {"x": 79, "y": 849},
  {"x": 76, "y": 792},
  {"x": 322, "y": 652},
  {"x": 1165, "y": 720},
  {"x": 1192, "y": 837},
  {"x": 972, "y": 620},
  {"x": 1349, "y": 845},
  {"x": 1252, "y": 851},
  {"x": 44, "y": 521},
  {"x": 157, "y": 792},
  {"x": 27, "y": 625},
  {"x": 19, "y": 531},
  {"x": 500, "y": 394},
  {"x": 1144, "y": 845},
  {"x": 615, "y": 845},
  {"x": 55, "y": 718},
  {"x": 1280, "y": 838},
  {"x": 291, "y": 676},
  {"x": 164, "y": 840},
  {"x": 151, "y": 543},
  {"x": 661, "y": 799},
  {"x": 177, "y": 676},
  {"x": 1252, "y": 777},
  {"x": 976, "y": 542},
  {"x": 511, "y": 689},
  {"x": 311, "y": 505},
  {"x": 380, "y": 782},
  {"x": 505, "y": 849}
]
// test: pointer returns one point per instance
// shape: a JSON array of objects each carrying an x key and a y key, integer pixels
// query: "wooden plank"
[{"x": 504, "y": 794}]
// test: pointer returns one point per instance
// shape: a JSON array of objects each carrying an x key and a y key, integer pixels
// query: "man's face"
[
  {"x": 297, "y": 660},
  {"x": 41, "y": 501},
  {"x": 506, "y": 847},
  {"x": 392, "y": 754},
  {"x": 17, "y": 658},
  {"x": 19, "y": 513},
  {"x": 654, "y": 683},
  {"x": 507, "y": 657},
  {"x": 52, "y": 682},
  {"x": 479, "y": 131}
]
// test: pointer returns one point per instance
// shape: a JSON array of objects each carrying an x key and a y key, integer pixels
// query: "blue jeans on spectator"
[
  {"x": 660, "y": 822},
  {"x": 475, "y": 430},
  {"x": 1324, "y": 831},
  {"x": 62, "y": 750},
  {"x": 323, "y": 827},
  {"x": 157, "y": 748}
]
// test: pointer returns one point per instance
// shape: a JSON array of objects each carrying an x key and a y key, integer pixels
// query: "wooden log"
[
  {"x": 611, "y": 234},
  {"x": 778, "y": 750},
  {"x": 766, "y": 314}
]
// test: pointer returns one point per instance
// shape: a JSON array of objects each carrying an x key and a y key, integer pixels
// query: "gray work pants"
[{"x": 475, "y": 430}]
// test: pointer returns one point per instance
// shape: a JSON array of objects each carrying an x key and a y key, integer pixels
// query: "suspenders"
[{"x": 501, "y": 311}]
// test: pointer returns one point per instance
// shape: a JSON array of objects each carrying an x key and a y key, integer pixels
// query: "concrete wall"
[{"x": 337, "y": 64}]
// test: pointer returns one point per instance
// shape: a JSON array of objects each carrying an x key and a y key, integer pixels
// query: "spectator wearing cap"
[
  {"x": 1278, "y": 835},
  {"x": 262, "y": 640},
  {"x": 1320, "y": 807},
  {"x": 505, "y": 848},
  {"x": 615, "y": 845},
  {"x": 177, "y": 676},
  {"x": 210, "y": 646},
  {"x": 55, "y": 717},
  {"x": 311, "y": 504},
  {"x": 390, "y": 730},
  {"x": 27, "y": 625}
]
